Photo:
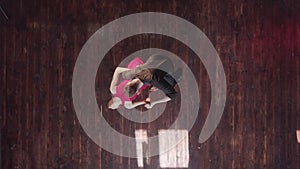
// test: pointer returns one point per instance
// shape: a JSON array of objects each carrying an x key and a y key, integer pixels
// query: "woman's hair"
[
  {"x": 131, "y": 89},
  {"x": 144, "y": 75}
]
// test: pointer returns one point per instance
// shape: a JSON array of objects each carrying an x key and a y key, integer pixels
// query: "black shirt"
[
  {"x": 151, "y": 73},
  {"x": 162, "y": 81}
]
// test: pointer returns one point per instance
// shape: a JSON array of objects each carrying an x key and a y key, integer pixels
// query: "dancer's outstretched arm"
[
  {"x": 130, "y": 105},
  {"x": 163, "y": 100}
]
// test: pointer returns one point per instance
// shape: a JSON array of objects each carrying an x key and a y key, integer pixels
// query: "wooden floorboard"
[{"x": 258, "y": 44}]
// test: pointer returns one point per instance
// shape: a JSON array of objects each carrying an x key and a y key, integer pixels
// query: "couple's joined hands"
[{"x": 148, "y": 104}]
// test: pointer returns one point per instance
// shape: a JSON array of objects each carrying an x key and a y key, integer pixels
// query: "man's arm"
[
  {"x": 114, "y": 80},
  {"x": 165, "y": 87},
  {"x": 163, "y": 100},
  {"x": 130, "y": 105}
]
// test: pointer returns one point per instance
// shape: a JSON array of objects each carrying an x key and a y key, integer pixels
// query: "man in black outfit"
[{"x": 156, "y": 71}]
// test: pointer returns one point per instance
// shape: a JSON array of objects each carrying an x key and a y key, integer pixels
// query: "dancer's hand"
[
  {"x": 148, "y": 103},
  {"x": 147, "y": 100},
  {"x": 148, "y": 106}
]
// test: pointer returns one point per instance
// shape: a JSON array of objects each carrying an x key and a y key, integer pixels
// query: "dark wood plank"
[{"x": 257, "y": 41}]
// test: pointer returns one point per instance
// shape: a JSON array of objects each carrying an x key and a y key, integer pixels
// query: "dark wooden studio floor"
[{"x": 258, "y": 43}]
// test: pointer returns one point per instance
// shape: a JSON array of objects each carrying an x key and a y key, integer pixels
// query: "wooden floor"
[{"x": 258, "y": 43}]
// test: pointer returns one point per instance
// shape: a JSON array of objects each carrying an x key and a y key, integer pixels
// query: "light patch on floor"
[
  {"x": 173, "y": 156},
  {"x": 140, "y": 138}
]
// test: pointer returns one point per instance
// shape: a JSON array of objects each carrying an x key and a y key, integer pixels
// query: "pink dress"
[{"x": 120, "y": 88}]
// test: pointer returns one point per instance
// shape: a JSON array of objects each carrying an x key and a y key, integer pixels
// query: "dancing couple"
[{"x": 157, "y": 73}]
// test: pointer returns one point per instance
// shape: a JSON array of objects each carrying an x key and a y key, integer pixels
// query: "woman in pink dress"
[{"x": 119, "y": 98}]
